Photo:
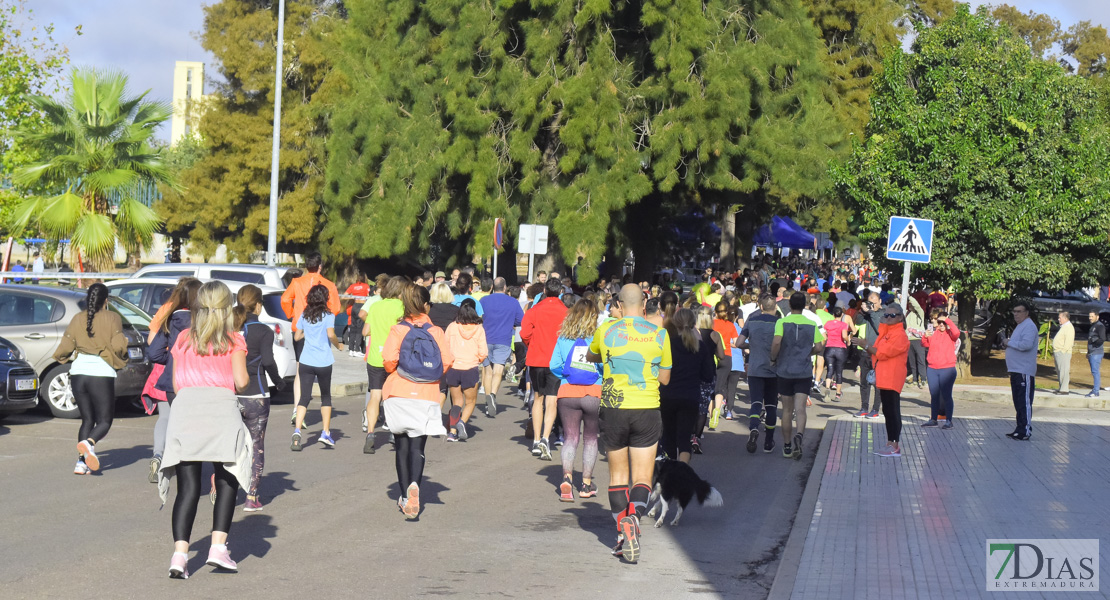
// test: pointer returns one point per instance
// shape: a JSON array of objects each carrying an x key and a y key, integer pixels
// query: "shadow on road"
[
  {"x": 274, "y": 484},
  {"x": 118, "y": 458}
]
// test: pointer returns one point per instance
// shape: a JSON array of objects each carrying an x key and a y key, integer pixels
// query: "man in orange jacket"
[{"x": 295, "y": 298}]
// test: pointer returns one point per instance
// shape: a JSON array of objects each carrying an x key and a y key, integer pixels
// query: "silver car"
[
  {"x": 1078, "y": 303},
  {"x": 35, "y": 318}
]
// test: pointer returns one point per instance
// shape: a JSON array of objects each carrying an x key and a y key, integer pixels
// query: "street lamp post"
[{"x": 271, "y": 246}]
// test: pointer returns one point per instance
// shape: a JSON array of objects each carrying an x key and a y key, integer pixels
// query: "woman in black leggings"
[
  {"x": 96, "y": 338},
  {"x": 679, "y": 400},
  {"x": 890, "y": 351}
]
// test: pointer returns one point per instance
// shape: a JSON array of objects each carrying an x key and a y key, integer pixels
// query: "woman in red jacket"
[
  {"x": 941, "y": 339},
  {"x": 889, "y": 354}
]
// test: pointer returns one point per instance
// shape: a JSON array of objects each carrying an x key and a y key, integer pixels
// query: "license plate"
[
  {"x": 135, "y": 352},
  {"x": 25, "y": 384}
]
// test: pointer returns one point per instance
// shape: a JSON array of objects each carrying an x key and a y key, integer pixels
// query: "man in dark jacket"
[
  {"x": 540, "y": 329},
  {"x": 1096, "y": 337}
]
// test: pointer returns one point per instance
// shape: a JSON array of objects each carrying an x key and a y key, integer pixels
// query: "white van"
[{"x": 260, "y": 275}]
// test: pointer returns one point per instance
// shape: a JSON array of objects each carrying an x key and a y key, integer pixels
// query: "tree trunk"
[
  {"x": 728, "y": 240},
  {"x": 745, "y": 229},
  {"x": 134, "y": 261},
  {"x": 965, "y": 306}
]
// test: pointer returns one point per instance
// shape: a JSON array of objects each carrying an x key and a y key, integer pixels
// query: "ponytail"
[
  {"x": 249, "y": 297},
  {"x": 94, "y": 301}
]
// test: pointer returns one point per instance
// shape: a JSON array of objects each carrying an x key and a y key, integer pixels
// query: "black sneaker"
[
  {"x": 930, "y": 423},
  {"x": 787, "y": 451},
  {"x": 368, "y": 447},
  {"x": 695, "y": 445},
  {"x": 769, "y": 443},
  {"x": 948, "y": 424},
  {"x": 753, "y": 438}
]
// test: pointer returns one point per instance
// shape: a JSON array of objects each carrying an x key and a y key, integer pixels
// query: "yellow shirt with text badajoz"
[{"x": 632, "y": 351}]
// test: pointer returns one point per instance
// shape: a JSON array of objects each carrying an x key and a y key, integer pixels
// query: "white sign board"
[{"x": 532, "y": 239}]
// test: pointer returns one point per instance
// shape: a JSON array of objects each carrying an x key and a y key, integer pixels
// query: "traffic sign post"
[
  {"x": 909, "y": 240},
  {"x": 531, "y": 240}
]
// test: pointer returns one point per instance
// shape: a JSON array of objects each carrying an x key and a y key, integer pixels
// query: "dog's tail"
[{"x": 709, "y": 496}]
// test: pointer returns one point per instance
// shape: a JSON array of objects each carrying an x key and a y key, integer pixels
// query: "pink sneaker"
[
  {"x": 179, "y": 566},
  {"x": 250, "y": 505},
  {"x": 219, "y": 557}
]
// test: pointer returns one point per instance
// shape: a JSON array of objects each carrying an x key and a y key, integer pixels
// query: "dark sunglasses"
[{"x": 891, "y": 315}]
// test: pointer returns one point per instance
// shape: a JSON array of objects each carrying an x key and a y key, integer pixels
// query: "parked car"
[
  {"x": 35, "y": 317},
  {"x": 19, "y": 384},
  {"x": 150, "y": 293},
  {"x": 1078, "y": 304},
  {"x": 227, "y": 273}
]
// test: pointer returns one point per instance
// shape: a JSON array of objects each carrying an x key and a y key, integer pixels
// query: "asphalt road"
[{"x": 492, "y": 523}]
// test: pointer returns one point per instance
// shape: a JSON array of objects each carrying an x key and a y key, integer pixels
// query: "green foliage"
[
  {"x": 225, "y": 195},
  {"x": 456, "y": 112},
  {"x": 96, "y": 150},
  {"x": 1006, "y": 152}
]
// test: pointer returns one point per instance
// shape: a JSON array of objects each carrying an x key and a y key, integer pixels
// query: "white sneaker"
[{"x": 81, "y": 468}]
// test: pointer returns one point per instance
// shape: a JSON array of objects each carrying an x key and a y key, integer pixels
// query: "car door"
[{"x": 33, "y": 321}]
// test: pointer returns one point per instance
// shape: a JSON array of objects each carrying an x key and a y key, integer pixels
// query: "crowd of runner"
[{"x": 637, "y": 370}]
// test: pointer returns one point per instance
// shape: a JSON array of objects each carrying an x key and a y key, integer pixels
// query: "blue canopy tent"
[{"x": 785, "y": 233}]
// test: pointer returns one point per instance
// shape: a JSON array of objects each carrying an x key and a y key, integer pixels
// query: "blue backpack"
[
  {"x": 576, "y": 369},
  {"x": 420, "y": 360}
]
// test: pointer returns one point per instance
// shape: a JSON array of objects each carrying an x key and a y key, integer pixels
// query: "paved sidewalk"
[{"x": 916, "y": 526}]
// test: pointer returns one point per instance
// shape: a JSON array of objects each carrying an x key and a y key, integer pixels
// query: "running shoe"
[
  {"x": 559, "y": 441},
  {"x": 365, "y": 425},
  {"x": 461, "y": 429},
  {"x": 630, "y": 529},
  {"x": 753, "y": 438},
  {"x": 566, "y": 490},
  {"x": 296, "y": 445},
  {"x": 728, "y": 414},
  {"x": 81, "y": 468},
  {"x": 618, "y": 550},
  {"x": 325, "y": 439},
  {"x": 889, "y": 451},
  {"x": 368, "y": 445},
  {"x": 452, "y": 437},
  {"x": 588, "y": 490},
  {"x": 948, "y": 424},
  {"x": 695, "y": 445},
  {"x": 769, "y": 443},
  {"x": 212, "y": 490},
  {"x": 886, "y": 450},
  {"x": 797, "y": 446},
  {"x": 787, "y": 451},
  {"x": 873, "y": 414},
  {"x": 714, "y": 419},
  {"x": 155, "y": 466},
  {"x": 179, "y": 566},
  {"x": 491, "y": 406},
  {"x": 545, "y": 449},
  {"x": 536, "y": 449},
  {"x": 930, "y": 423},
  {"x": 1021, "y": 437},
  {"x": 252, "y": 505},
  {"x": 219, "y": 557},
  {"x": 861, "y": 414},
  {"x": 91, "y": 460},
  {"x": 412, "y": 502}
]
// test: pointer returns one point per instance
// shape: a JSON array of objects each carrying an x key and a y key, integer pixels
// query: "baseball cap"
[{"x": 441, "y": 274}]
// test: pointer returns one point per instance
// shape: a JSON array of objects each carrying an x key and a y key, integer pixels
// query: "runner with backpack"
[
  {"x": 579, "y": 396},
  {"x": 416, "y": 356}
]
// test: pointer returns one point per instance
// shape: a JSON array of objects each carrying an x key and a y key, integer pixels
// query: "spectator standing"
[
  {"x": 1096, "y": 337},
  {"x": 889, "y": 352},
  {"x": 1021, "y": 363},
  {"x": 20, "y": 269},
  {"x": 38, "y": 267},
  {"x": 1062, "y": 344},
  {"x": 940, "y": 340},
  {"x": 867, "y": 331}
]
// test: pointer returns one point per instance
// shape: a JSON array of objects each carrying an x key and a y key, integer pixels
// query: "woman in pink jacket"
[
  {"x": 467, "y": 339},
  {"x": 889, "y": 352},
  {"x": 941, "y": 339}
]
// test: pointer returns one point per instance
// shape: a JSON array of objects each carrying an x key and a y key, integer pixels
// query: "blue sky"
[{"x": 143, "y": 38}]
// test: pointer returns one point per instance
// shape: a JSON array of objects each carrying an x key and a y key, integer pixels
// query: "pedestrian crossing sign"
[{"x": 910, "y": 239}]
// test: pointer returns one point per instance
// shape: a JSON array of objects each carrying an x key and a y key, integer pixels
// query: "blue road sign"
[{"x": 910, "y": 239}]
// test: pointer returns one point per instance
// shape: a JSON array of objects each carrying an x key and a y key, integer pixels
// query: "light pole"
[{"x": 271, "y": 246}]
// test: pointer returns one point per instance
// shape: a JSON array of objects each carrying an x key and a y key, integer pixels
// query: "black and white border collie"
[{"x": 676, "y": 480}]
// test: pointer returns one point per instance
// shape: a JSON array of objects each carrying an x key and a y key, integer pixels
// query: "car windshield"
[{"x": 130, "y": 314}]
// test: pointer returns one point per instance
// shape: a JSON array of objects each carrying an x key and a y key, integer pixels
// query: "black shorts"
[
  {"x": 630, "y": 427},
  {"x": 375, "y": 376},
  {"x": 544, "y": 382},
  {"x": 465, "y": 379},
  {"x": 298, "y": 345},
  {"x": 791, "y": 387}
]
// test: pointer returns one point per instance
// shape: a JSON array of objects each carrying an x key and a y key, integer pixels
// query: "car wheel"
[{"x": 57, "y": 393}]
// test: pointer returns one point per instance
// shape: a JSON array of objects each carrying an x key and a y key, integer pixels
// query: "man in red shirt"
[
  {"x": 355, "y": 340},
  {"x": 540, "y": 329}
]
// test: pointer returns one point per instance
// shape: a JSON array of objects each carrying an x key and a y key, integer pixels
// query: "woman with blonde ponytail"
[{"x": 209, "y": 365}]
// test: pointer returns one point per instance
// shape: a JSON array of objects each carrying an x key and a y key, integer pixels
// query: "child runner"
[
  {"x": 254, "y": 401},
  {"x": 467, "y": 340},
  {"x": 96, "y": 338},
  {"x": 411, "y": 390},
  {"x": 316, "y": 326}
]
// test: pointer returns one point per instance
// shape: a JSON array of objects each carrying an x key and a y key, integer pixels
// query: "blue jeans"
[
  {"x": 941, "y": 382},
  {"x": 1095, "y": 360}
]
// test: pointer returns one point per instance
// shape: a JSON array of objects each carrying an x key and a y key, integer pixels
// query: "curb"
[{"x": 787, "y": 573}]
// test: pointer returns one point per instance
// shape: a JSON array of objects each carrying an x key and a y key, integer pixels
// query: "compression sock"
[
  {"x": 638, "y": 499},
  {"x": 456, "y": 416},
  {"x": 618, "y": 501}
]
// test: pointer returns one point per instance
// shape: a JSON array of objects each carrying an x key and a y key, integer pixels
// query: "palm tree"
[{"x": 97, "y": 160}]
